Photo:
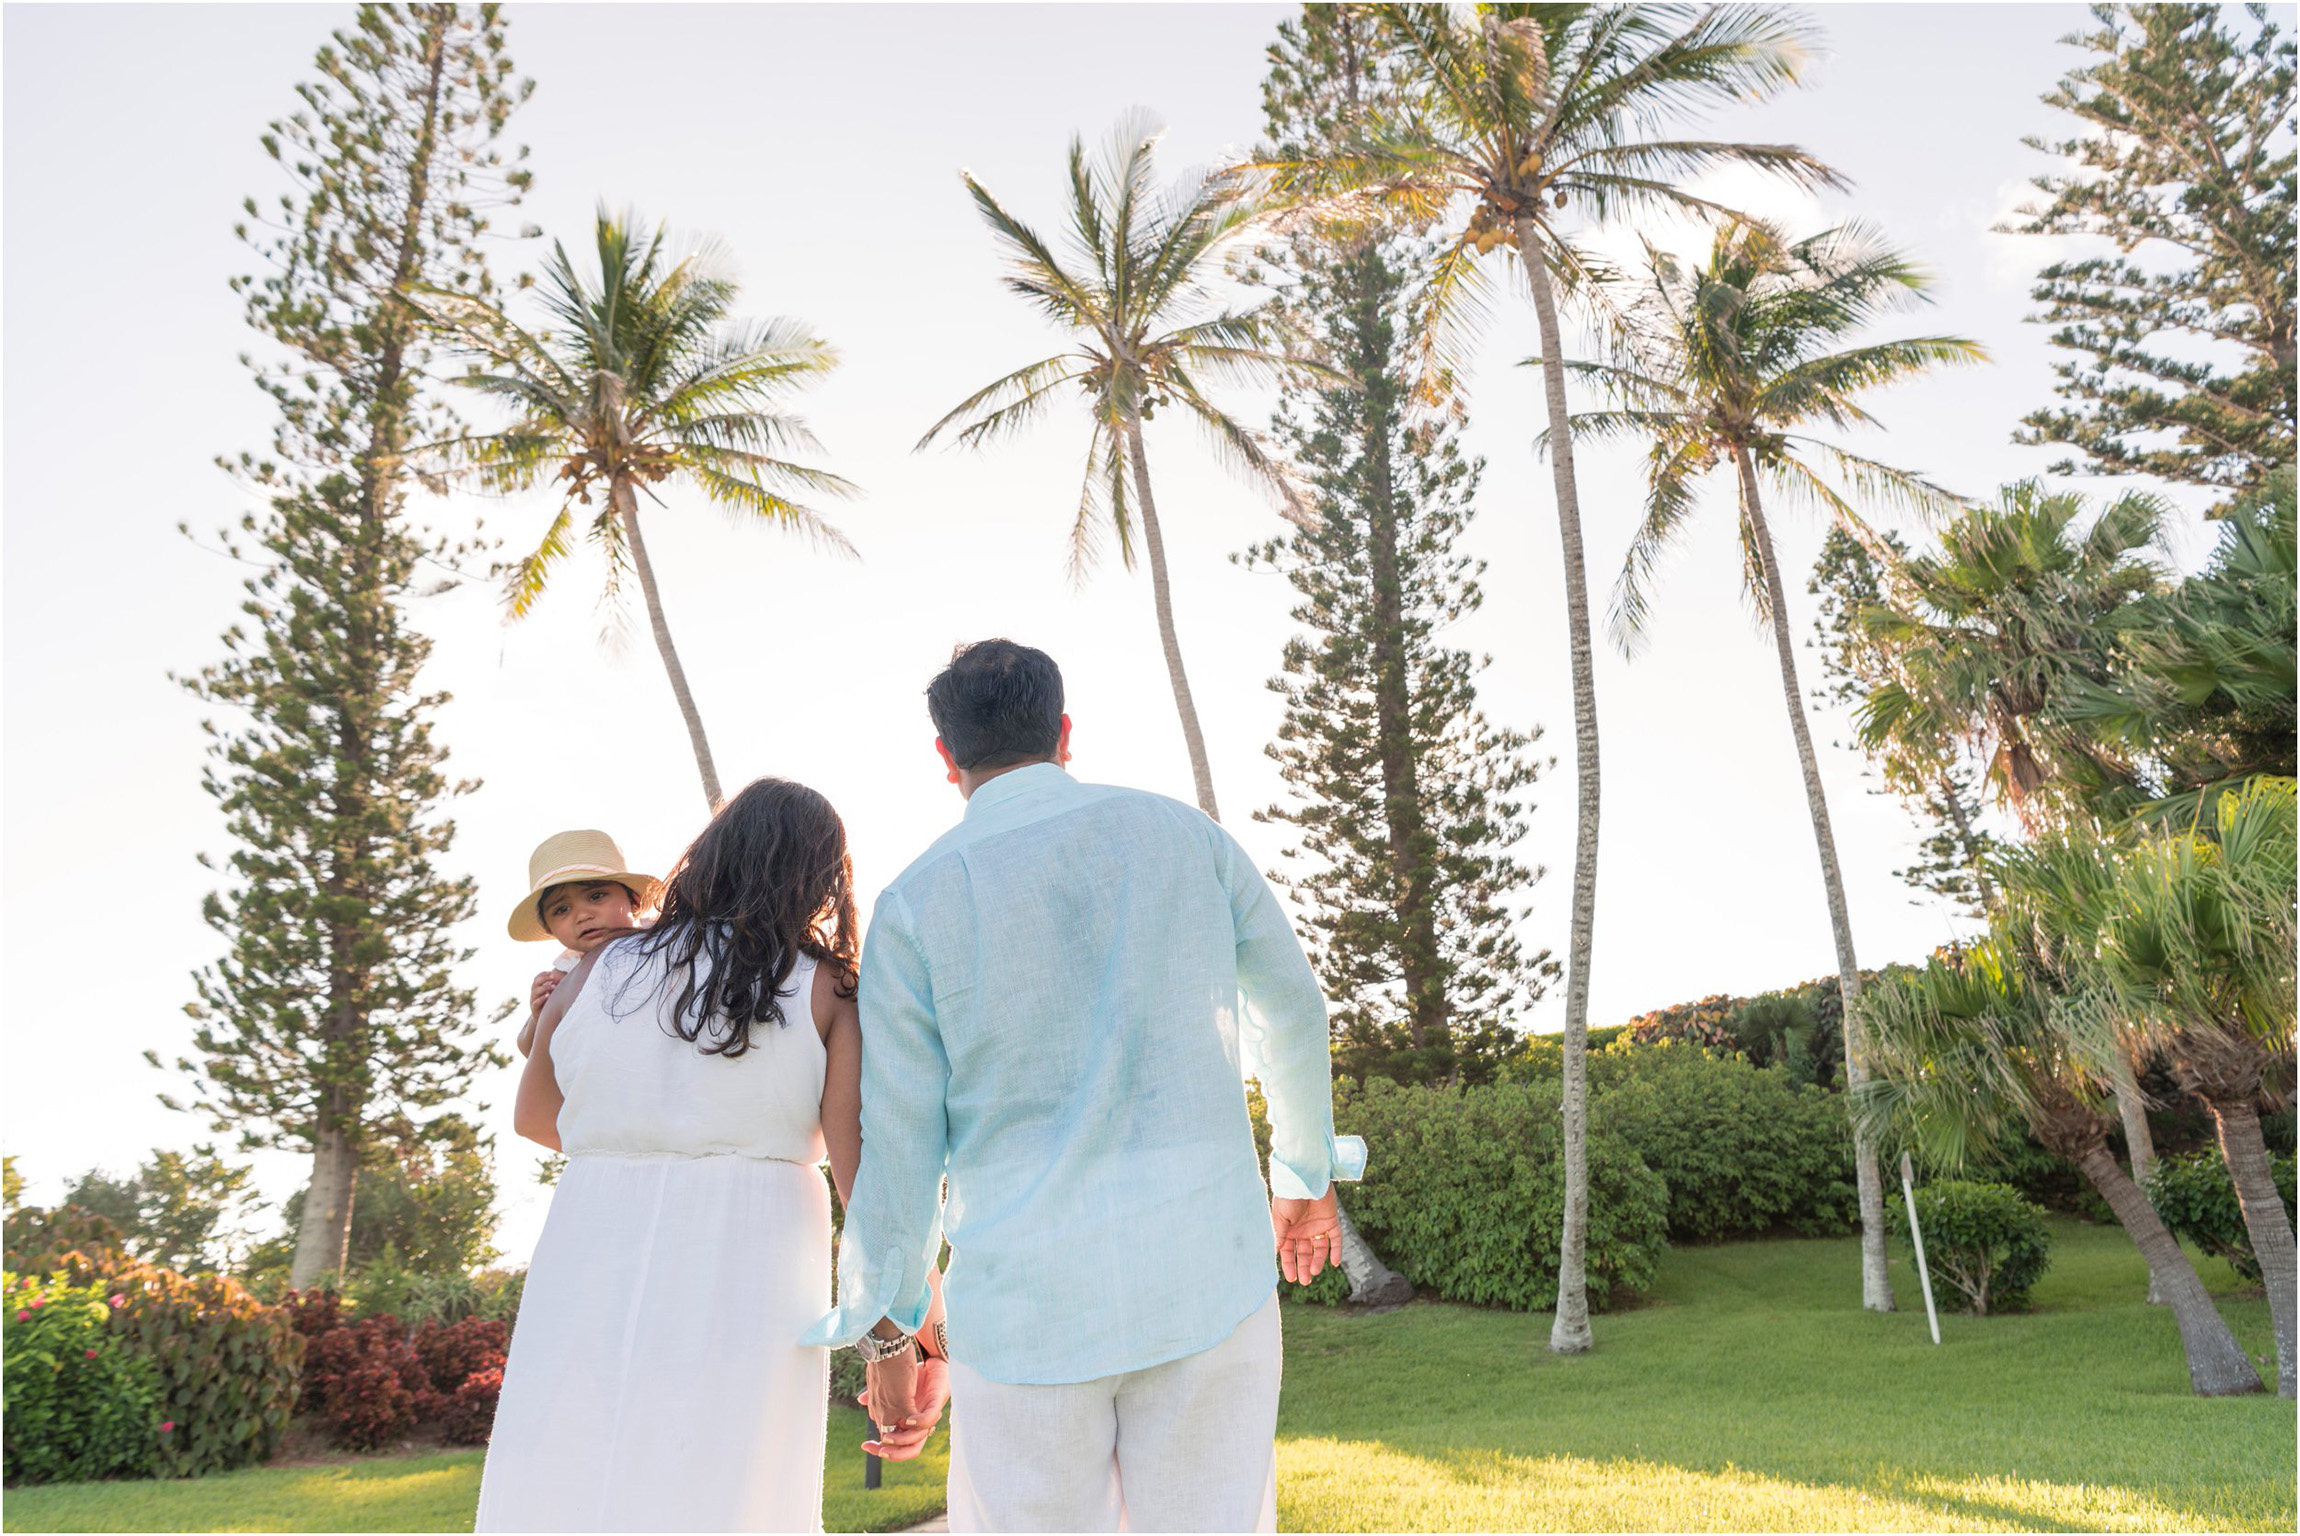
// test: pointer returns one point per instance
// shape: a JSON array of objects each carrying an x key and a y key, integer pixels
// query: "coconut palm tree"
[
  {"x": 1522, "y": 119},
  {"x": 2188, "y": 934},
  {"x": 1137, "y": 289},
  {"x": 2011, "y": 617},
  {"x": 1977, "y": 1043},
  {"x": 642, "y": 378},
  {"x": 1723, "y": 366}
]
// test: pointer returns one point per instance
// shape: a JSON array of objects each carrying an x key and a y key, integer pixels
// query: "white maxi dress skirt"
[{"x": 655, "y": 1379}]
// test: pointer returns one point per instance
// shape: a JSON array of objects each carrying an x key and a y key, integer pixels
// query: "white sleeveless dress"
[{"x": 655, "y": 1380}]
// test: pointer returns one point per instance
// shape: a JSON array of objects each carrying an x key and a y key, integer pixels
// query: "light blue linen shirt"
[{"x": 1061, "y": 999}]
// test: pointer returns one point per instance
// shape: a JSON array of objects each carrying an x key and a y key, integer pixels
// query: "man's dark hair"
[{"x": 997, "y": 704}]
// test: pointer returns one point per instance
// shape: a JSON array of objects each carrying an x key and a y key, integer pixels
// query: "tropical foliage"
[
  {"x": 641, "y": 378},
  {"x": 1139, "y": 287}
]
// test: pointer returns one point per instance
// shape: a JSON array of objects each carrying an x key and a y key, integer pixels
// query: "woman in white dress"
[{"x": 696, "y": 1075}]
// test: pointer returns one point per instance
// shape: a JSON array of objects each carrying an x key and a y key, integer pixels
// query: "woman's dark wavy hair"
[{"x": 768, "y": 880}]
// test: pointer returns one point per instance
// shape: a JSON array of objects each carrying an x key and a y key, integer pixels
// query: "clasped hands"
[{"x": 905, "y": 1398}]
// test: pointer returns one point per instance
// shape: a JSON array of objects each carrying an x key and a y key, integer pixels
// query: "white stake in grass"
[{"x": 1909, "y": 1193}]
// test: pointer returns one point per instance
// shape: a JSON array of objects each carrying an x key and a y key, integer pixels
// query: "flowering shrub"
[
  {"x": 226, "y": 1364},
  {"x": 81, "y": 1403},
  {"x": 365, "y": 1384}
]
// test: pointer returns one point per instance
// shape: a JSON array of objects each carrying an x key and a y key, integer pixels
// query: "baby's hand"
[{"x": 546, "y": 982}]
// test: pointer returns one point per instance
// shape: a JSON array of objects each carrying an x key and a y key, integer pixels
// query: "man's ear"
[
  {"x": 1062, "y": 745},
  {"x": 948, "y": 762}
]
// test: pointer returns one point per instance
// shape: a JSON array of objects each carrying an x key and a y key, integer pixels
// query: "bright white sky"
[{"x": 823, "y": 144}]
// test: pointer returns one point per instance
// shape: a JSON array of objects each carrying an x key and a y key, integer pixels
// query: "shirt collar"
[{"x": 1014, "y": 785}]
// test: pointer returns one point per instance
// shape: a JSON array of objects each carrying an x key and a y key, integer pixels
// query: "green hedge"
[
  {"x": 2197, "y": 1200},
  {"x": 1743, "y": 1149},
  {"x": 1464, "y": 1194}
]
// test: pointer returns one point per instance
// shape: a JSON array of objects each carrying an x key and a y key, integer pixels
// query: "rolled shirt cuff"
[
  {"x": 1345, "y": 1160},
  {"x": 874, "y": 1298}
]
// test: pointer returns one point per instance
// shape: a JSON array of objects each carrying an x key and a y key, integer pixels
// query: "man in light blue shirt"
[{"x": 1060, "y": 1000}]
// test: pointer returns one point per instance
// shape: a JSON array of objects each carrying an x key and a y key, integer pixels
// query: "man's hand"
[
  {"x": 1309, "y": 1235},
  {"x": 546, "y": 983},
  {"x": 905, "y": 1400}
]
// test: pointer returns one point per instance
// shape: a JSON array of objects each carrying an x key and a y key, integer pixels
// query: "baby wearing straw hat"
[{"x": 580, "y": 892}]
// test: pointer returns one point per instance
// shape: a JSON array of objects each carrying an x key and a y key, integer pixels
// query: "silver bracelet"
[{"x": 877, "y": 1351}]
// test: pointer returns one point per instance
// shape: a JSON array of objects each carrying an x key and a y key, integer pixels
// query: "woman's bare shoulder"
[{"x": 831, "y": 1001}]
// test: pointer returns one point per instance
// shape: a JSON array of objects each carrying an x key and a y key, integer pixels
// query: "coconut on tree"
[
  {"x": 642, "y": 378},
  {"x": 1727, "y": 366},
  {"x": 1138, "y": 289},
  {"x": 1523, "y": 123}
]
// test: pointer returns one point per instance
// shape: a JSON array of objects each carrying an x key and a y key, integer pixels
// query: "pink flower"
[
  {"x": 119, "y": 1301},
  {"x": 38, "y": 1302},
  {"x": 23, "y": 1317},
  {"x": 91, "y": 1354},
  {"x": 164, "y": 1428}
]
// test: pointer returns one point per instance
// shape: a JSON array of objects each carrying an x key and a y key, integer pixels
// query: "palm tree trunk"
[
  {"x": 627, "y": 506},
  {"x": 2217, "y": 1364},
  {"x": 1876, "y": 1287},
  {"x": 2246, "y": 1153},
  {"x": 1161, "y": 597},
  {"x": 1570, "y": 1334},
  {"x": 2139, "y": 1145},
  {"x": 323, "y": 1236}
]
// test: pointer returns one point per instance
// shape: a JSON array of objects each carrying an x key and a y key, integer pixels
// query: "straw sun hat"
[{"x": 565, "y": 857}]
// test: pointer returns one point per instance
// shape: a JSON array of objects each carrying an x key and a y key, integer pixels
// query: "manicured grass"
[
  {"x": 427, "y": 1493},
  {"x": 1753, "y": 1393}
]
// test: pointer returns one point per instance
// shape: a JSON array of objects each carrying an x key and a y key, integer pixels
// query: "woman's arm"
[
  {"x": 839, "y": 1023},
  {"x": 535, "y": 1114}
]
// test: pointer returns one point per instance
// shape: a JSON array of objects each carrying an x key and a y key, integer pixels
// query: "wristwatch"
[{"x": 876, "y": 1351}]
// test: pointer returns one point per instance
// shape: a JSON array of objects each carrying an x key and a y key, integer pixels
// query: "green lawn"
[
  {"x": 1751, "y": 1393},
  {"x": 427, "y": 1493}
]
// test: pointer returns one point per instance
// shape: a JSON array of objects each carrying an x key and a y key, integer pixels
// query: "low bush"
[
  {"x": 315, "y": 1311},
  {"x": 70, "y": 1240},
  {"x": 81, "y": 1403},
  {"x": 227, "y": 1365},
  {"x": 2197, "y": 1200},
  {"x": 1465, "y": 1194},
  {"x": 467, "y": 1416},
  {"x": 454, "y": 1353},
  {"x": 1743, "y": 1149},
  {"x": 1983, "y": 1241},
  {"x": 365, "y": 1384}
]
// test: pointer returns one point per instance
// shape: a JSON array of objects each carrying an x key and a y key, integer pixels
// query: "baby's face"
[{"x": 584, "y": 916}]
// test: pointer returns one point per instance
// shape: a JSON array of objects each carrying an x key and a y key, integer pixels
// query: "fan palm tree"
[
  {"x": 1137, "y": 289},
  {"x": 2013, "y": 615},
  {"x": 1720, "y": 367},
  {"x": 643, "y": 378},
  {"x": 2188, "y": 934},
  {"x": 1975, "y": 1044},
  {"x": 1520, "y": 119}
]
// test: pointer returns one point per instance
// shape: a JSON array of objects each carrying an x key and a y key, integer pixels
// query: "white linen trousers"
[{"x": 1185, "y": 1446}]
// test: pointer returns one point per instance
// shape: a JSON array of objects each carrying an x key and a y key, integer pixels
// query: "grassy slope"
[
  {"x": 1754, "y": 1394},
  {"x": 425, "y": 1493}
]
